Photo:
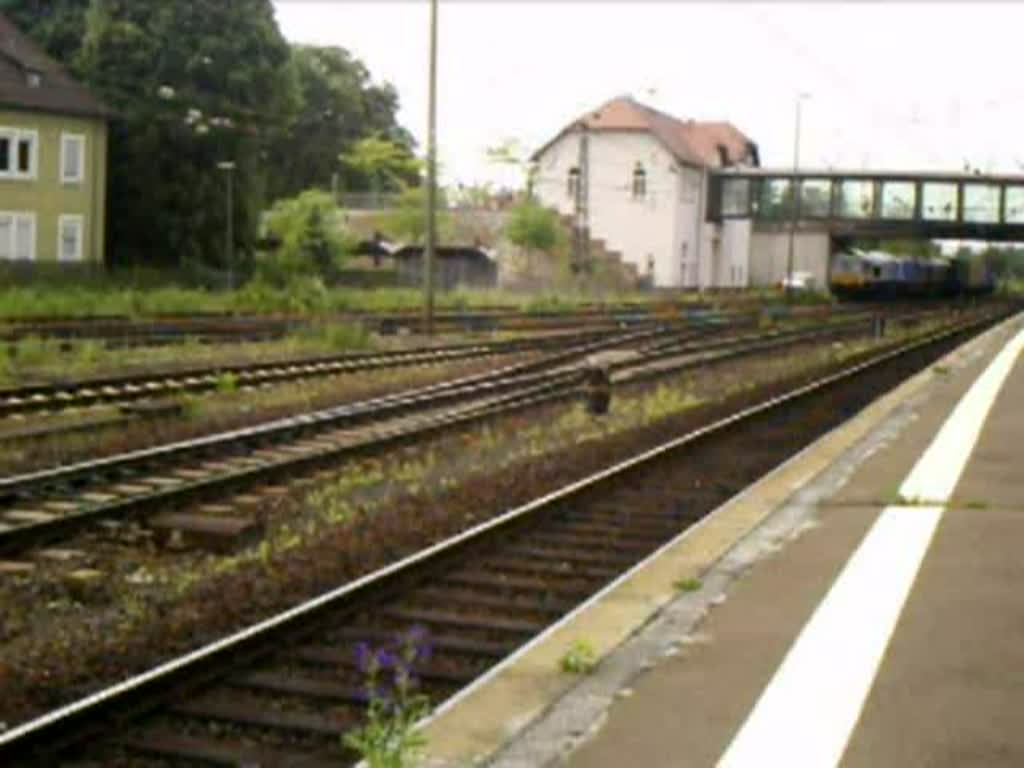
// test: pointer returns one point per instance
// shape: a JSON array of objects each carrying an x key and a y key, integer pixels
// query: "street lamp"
[
  {"x": 431, "y": 244},
  {"x": 794, "y": 190},
  {"x": 229, "y": 239}
]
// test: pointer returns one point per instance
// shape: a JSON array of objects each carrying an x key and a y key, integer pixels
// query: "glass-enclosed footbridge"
[{"x": 874, "y": 204}]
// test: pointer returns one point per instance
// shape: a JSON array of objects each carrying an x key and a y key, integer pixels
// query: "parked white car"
[{"x": 798, "y": 281}]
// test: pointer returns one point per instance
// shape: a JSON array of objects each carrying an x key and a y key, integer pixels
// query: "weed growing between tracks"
[
  {"x": 367, "y": 515},
  {"x": 688, "y": 585},
  {"x": 580, "y": 659},
  {"x": 388, "y": 738},
  {"x": 231, "y": 406},
  {"x": 34, "y": 357}
]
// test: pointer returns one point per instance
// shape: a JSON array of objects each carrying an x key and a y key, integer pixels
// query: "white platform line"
[
  {"x": 937, "y": 472},
  {"x": 806, "y": 714}
]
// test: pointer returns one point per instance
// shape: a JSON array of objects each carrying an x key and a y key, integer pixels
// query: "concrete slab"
[
  {"x": 951, "y": 689},
  {"x": 993, "y": 476},
  {"x": 212, "y": 532}
]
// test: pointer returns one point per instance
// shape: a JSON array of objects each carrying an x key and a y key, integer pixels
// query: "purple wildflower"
[
  {"x": 364, "y": 655},
  {"x": 415, "y": 644},
  {"x": 386, "y": 659}
]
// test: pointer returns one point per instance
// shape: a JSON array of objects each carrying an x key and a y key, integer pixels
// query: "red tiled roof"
[{"x": 690, "y": 142}]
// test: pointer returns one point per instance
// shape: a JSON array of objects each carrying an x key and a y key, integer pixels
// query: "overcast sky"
[{"x": 913, "y": 85}]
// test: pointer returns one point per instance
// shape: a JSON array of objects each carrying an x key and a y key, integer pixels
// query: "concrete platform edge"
[{"x": 519, "y": 714}]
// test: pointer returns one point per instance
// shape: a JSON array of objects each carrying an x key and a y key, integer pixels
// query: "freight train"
[{"x": 857, "y": 274}]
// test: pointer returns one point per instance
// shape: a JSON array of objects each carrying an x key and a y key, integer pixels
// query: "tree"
[
  {"x": 56, "y": 25},
  {"x": 338, "y": 106},
  {"x": 474, "y": 195},
  {"x": 186, "y": 95},
  {"x": 407, "y": 221},
  {"x": 510, "y": 153},
  {"x": 387, "y": 165},
  {"x": 918, "y": 249},
  {"x": 311, "y": 236},
  {"x": 534, "y": 228},
  {"x": 1007, "y": 262}
]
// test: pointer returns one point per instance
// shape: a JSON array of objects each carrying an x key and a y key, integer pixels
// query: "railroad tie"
[
  {"x": 11, "y": 568},
  {"x": 28, "y": 516},
  {"x": 215, "y": 531},
  {"x": 59, "y": 555}
]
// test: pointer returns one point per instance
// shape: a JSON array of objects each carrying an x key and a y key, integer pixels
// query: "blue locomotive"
[{"x": 858, "y": 274}]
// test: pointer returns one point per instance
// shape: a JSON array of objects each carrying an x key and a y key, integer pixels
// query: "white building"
[{"x": 647, "y": 191}]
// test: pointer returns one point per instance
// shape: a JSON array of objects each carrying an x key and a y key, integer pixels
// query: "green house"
[{"x": 53, "y": 158}]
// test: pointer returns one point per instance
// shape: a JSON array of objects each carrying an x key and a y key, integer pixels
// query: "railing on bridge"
[{"x": 861, "y": 202}]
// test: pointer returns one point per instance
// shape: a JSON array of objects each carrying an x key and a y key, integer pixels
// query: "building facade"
[
  {"x": 646, "y": 189},
  {"x": 53, "y": 159}
]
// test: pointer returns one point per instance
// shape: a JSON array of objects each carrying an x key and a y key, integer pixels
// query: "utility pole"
[
  {"x": 229, "y": 238},
  {"x": 794, "y": 191},
  {"x": 431, "y": 244},
  {"x": 581, "y": 230}
]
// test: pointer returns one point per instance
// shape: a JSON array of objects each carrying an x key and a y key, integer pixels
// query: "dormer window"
[
  {"x": 573, "y": 184},
  {"x": 723, "y": 154},
  {"x": 639, "y": 181},
  {"x": 34, "y": 78}
]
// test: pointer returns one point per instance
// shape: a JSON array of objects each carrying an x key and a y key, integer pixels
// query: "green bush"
[
  {"x": 534, "y": 227},
  {"x": 549, "y": 304},
  {"x": 333, "y": 335},
  {"x": 312, "y": 238},
  {"x": 407, "y": 221}
]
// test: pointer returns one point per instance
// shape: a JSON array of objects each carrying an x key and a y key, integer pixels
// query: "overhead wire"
[{"x": 836, "y": 76}]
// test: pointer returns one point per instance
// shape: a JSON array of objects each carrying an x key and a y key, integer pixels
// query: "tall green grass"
[
  {"x": 142, "y": 294},
  {"x": 302, "y": 297}
]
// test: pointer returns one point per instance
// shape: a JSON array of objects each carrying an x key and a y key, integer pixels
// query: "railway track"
[
  {"x": 44, "y": 505},
  {"x": 118, "y": 331},
  {"x": 47, "y": 397},
  {"x": 54, "y": 396},
  {"x": 40, "y": 507},
  {"x": 215, "y": 323},
  {"x": 282, "y": 692},
  {"x": 127, "y": 332}
]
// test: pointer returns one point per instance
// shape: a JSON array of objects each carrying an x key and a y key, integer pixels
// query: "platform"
[{"x": 871, "y": 615}]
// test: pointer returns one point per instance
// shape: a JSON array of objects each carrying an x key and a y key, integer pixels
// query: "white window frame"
[
  {"x": 65, "y": 139},
  {"x": 78, "y": 220},
  {"x": 31, "y": 218},
  {"x": 14, "y": 136}
]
